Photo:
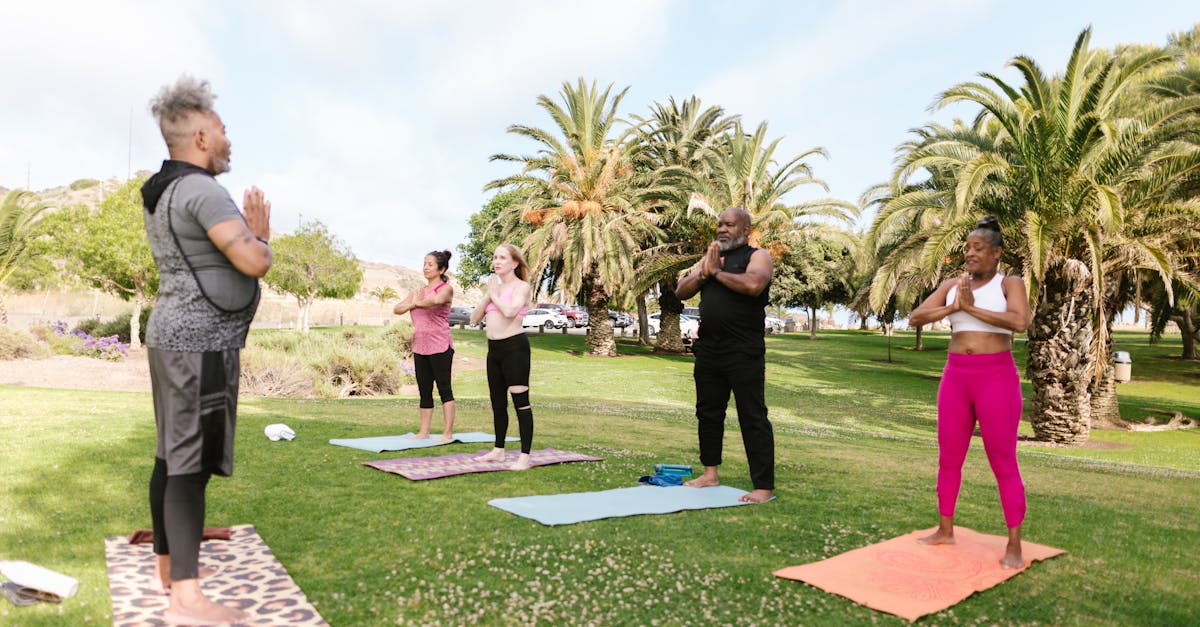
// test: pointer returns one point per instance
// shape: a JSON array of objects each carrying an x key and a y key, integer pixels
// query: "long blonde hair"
[{"x": 522, "y": 269}]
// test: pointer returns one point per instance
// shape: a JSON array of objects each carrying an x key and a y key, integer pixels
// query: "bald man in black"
[{"x": 733, "y": 280}]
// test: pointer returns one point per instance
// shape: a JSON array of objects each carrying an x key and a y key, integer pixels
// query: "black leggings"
[
  {"x": 430, "y": 368},
  {"x": 177, "y": 512},
  {"x": 508, "y": 366}
]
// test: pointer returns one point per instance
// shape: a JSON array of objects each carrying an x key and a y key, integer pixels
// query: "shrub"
[
  {"x": 84, "y": 184},
  {"x": 118, "y": 326},
  {"x": 20, "y": 345},
  {"x": 268, "y": 372},
  {"x": 330, "y": 363},
  {"x": 79, "y": 342}
]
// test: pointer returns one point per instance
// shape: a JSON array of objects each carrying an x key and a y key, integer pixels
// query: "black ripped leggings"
[{"x": 508, "y": 366}]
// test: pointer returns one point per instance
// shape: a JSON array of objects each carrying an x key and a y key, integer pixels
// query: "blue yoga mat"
[
  {"x": 568, "y": 509},
  {"x": 400, "y": 443}
]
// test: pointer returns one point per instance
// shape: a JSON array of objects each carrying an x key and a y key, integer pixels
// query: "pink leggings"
[{"x": 983, "y": 387}]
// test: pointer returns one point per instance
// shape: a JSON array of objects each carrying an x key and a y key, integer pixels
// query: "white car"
[
  {"x": 544, "y": 318},
  {"x": 688, "y": 326},
  {"x": 772, "y": 324}
]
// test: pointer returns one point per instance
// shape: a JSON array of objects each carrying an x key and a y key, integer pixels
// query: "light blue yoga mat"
[
  {"x": 401, "y": 443},
  {"x": 568, "y": 509}
]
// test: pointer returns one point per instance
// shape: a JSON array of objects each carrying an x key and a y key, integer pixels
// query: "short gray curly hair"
[{"x": 174, "y": 105}]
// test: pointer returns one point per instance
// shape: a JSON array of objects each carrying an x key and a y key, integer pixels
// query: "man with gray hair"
[
  {"x": 209, "y": 257},
  {"x": 733, "y": 280}
]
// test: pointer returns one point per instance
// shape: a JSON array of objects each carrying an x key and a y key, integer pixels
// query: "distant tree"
[
  {"x": 108, "y": 250},
  {"x": 814, "y": 272},
  {"x": 311, "y": 264},
  {"x": 383, "y": 293},
  {"x": 18, "y": 213},
  {"x": 487, "y": 232}
]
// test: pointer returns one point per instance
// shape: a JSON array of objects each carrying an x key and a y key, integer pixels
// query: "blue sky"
[{"x": 378, "y": 117}]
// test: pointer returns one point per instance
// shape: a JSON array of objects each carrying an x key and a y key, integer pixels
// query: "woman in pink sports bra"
[
  {"x": 505, "y": 304},
  {"x": 980, "y": 381},
  {"x": 433, "y": 350}
]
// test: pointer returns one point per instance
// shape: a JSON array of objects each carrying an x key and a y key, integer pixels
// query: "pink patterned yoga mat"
[
  {"x": 248, "y": 577},
  {"x": 419, "y": 468},
  {"x": 901, "y": 577}
]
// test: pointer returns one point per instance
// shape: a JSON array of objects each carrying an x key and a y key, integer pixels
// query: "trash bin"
[
  {"x": 1122, "y": 367},
  {"x": 789, "y": 326}
]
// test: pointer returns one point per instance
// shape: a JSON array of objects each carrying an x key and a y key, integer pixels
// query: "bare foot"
[
  {"x": 160, "y": 581},
  {"x": 446, "y": 437},
  {"x": 756, "y": 496},
  {"x": 497, "y": 455},
  {"x": 189, "y": 606},
  {"x": 524, "y": 461},
  {"x": 418, "y": 436},
  {"x": 706, "y": 480},
  {"x": 937, "y": 537},
  {"x": 1012, "y": 559}
]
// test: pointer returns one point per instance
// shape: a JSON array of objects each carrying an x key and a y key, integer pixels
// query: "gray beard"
[
  {"x": 219, "y": 166},
  {"x": 731, "y": 244}
]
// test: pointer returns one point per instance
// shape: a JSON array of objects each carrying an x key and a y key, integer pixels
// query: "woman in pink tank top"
[{"x": 433, "y": 350}]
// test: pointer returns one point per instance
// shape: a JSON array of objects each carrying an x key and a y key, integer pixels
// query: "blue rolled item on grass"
[
  {"x": 681, "y": 470},
  {"x": 661, "y": 480}
]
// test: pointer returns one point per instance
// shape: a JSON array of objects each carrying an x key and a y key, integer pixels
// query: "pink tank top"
[
  {"x": 431, "y": 327},
  {"x": 506, "y": 294}
]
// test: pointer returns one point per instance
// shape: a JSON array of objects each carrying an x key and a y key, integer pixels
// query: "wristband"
[{"x": 714, "y": 274}]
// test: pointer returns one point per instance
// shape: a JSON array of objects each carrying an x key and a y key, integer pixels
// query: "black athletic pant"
[
  {"x": 431, "y": 368},
  {"x": 181, "y": 523},
  {"x": 744, "y": 375},
  {"x": 507, "y": 366}
]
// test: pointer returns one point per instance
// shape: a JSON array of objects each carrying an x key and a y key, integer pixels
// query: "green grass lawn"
[{"x": 856, "y": 464}]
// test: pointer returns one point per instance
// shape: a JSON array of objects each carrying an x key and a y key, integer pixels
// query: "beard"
[
  {"x": 734, "y": 242},
  {"x": 219, "y": 166}
]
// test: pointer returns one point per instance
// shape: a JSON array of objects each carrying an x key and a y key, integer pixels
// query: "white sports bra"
[{"x": 989, "y": 297}]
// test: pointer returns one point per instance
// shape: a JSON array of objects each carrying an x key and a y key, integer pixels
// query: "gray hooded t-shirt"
[{"x": 189, "y": 316}]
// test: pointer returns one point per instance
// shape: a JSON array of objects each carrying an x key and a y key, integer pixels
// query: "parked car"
[
  {"x": 691, "y": 312},
  {"x": 574, "y": 317},
  {"x": 620, "y": 319},
  {"x": 772, "y": 324},
  {"x": 688, "y": 326},
  {"x": 543, "y": 318},
  {"x": 460, "y": 315}
]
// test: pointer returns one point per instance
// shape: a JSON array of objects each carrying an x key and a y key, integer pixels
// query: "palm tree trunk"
[
  {"x": 643, "y": 321},
  {"x": 1105, "y": 409},
  {"x": 1060, "y": 358},
  {"x": 600, "y": 340},
  {"x": 3, "y": 312},
  {"x": 669, "y": 339},
  {"x": 920, "y": 344},
  {"x": 1187, "y": 332}
]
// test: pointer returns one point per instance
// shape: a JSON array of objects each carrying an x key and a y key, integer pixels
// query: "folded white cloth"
[
  {"x": 39, "y": 578},
  {"x": 279, "y": 431}
]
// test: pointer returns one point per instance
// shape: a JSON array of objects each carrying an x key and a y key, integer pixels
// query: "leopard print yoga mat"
[{"x": 248, "y": 577}]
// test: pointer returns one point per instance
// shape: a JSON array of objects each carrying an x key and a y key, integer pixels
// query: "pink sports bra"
[{"x": 506, "y": 294}]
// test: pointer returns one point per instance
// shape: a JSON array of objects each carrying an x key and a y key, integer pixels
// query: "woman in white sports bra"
[{"x": 980, "y": 382}]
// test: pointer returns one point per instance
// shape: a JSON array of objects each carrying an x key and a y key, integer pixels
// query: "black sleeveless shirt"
[{"x": 732, "y": 322}]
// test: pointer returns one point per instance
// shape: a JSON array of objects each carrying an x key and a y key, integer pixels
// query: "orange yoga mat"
[{"x": 910, "y": 580}]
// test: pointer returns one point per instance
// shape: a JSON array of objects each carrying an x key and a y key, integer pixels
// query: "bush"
[
  {"x": 330, "y": 363},
  {"x": 84, "y": 184},
  {"x": 118, "y": 326},
  {"x": 79, "y": 342},
  {"x": 20, "y": 345},
  {"x": 267, "y": 372}
]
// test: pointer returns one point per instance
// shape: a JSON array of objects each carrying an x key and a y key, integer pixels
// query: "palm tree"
[
  {"x": 1055, "y": 163},
  {"x": 672, "y": 147},
  {"x": 578, "y": 193},
  {"x": 18, "y": 212},
  {"x": 383, "y": 293}
]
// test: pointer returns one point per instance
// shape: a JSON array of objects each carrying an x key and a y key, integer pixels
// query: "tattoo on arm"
[{"x": 244, "y": 236}]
